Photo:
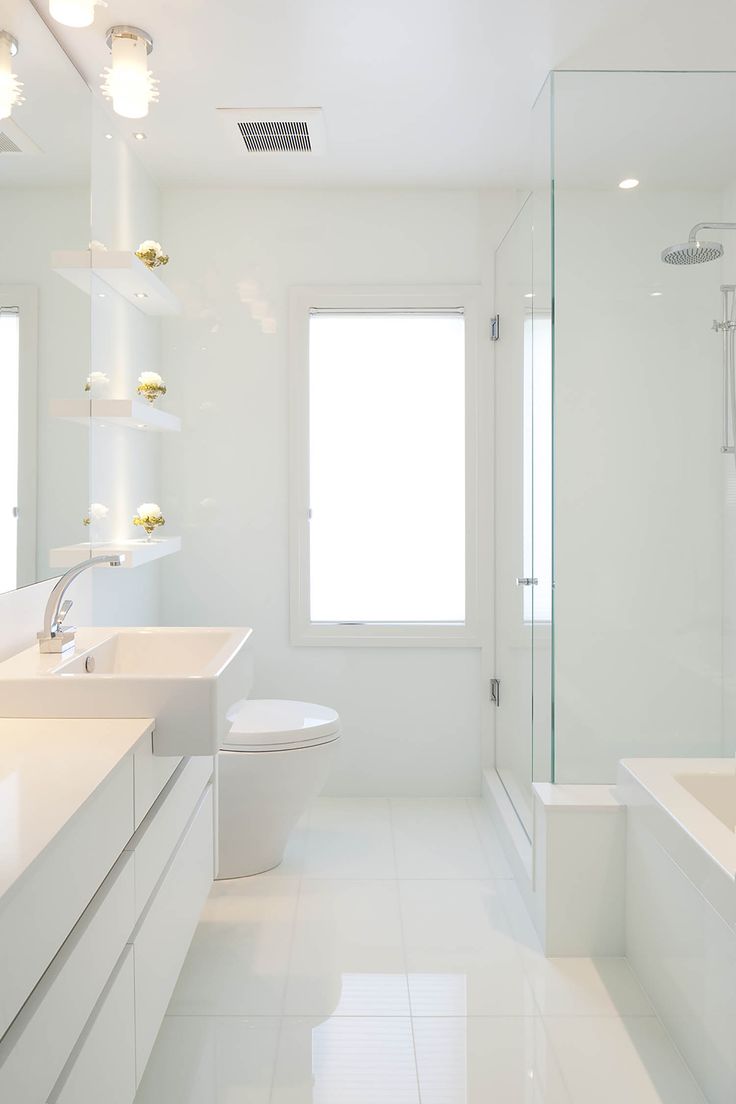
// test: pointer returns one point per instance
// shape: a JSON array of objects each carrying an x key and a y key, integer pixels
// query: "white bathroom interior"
[{"x": 369, "y": 389}]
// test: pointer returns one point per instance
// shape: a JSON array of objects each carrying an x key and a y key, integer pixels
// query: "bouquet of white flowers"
[
  {"x": 151, "y": 386},
  {"x": 151, "y": 253},
  {"x": 149, "y": 517}
]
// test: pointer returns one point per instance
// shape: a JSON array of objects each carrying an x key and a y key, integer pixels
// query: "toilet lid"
[{"x": 273, "y": 723}]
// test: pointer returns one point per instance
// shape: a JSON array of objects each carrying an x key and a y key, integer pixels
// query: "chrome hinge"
[
  {"x": 495, "y": 691},
  {"x": 495, "y": 328},
  {"x": 527, "y": 580}
]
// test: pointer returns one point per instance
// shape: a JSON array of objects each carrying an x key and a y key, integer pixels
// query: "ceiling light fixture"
[
  {"x": 11, "y": 89},
  {"x": 129, "y": 83},
  {"x": 73, "y": 13},
  {"x": 629, "y": 182},
  {"x": 139, "y": 136}
]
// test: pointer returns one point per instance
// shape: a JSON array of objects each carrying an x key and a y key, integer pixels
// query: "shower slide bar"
[{"x": 727, "y": 328}]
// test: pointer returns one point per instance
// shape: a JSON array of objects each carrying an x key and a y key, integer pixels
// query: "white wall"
[
  {"x": 639, "y": 591},
  {"x": 411, "y": 716}
]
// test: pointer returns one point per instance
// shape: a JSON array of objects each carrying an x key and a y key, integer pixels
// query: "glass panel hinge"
[
  {"x": 495, "y": 691},
  {"x": 495, "y": 328}
]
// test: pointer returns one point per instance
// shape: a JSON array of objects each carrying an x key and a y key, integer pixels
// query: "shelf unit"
[
  {"x": 123, "y": 273},
  {"x": 137, "y": 552},
  {"x": 135, "y": 413}
]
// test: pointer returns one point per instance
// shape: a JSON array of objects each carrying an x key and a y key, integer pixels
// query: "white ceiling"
[
  {"x": 415, "y": 92},
  {"x": 56, "y": 114}
]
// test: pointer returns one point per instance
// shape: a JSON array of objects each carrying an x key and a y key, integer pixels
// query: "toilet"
[{"x": 274, "y": 760}]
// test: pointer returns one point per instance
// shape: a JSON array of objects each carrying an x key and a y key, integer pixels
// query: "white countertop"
[{"x": 48, "y": 770}]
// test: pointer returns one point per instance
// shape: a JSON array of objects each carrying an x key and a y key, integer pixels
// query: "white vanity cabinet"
[{"x": 84, "y": 1006}]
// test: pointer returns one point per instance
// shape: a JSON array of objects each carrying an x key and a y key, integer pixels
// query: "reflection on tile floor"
[{"x": 389, "y": 960}]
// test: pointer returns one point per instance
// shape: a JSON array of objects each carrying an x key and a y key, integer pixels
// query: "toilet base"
[{"x": 261, "y": 796}]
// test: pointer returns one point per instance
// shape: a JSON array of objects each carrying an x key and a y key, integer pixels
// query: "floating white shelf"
[
  {"x": 127, "y": 412},
  {"x": 122, "y": 272},
  {"x": 137, "y": 552}
]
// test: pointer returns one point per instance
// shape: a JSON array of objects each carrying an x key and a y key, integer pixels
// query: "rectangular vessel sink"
[{"x": 187, "y": 679}]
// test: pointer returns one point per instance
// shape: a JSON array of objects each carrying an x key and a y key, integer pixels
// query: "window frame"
[
  {"x": 24, "y": 298},
  {"x": 302, "y": 301}
]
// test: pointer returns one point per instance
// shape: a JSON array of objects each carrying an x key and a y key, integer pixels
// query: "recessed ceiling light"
[
  {"x": 139, "y": 136},
  {"x": 109, "y": 137},
  {"x": 100, "y": 295},
  {"x": 529, "y": 295},
  {"x": 655, "y": 294},
  {"x": 141, "y": 294},
  {"x": 629, "y": 182}
]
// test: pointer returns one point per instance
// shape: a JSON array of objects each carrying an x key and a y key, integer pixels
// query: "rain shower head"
[{"x": 694, "y": 251}]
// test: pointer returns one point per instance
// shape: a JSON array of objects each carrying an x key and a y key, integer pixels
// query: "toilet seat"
[{"x": 276, "y": 725}]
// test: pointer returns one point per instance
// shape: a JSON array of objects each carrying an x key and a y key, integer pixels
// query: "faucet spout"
[{"x": 55, "y": 636}]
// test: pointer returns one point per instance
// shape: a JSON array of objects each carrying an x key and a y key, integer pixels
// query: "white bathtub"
[{"x": 681, "y": 905}]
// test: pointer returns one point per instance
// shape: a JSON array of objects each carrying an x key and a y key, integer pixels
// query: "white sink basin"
[{"x": 186, "y": 679}]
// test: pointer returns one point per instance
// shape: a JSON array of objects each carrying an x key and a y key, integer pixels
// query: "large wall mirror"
[{"x": 44, "y": 318}]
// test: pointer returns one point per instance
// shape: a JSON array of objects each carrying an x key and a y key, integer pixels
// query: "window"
[
  {"x": 384, "y": 467},
  {"x": 9, "y": 433},
  {"x": 538, "y": 466}
]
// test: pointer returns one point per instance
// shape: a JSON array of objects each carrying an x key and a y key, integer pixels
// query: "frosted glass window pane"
[
  {"x": 9, "y": 384},
  {"x": 538, "y": 467},
  {"x": 387, "y": 467}
]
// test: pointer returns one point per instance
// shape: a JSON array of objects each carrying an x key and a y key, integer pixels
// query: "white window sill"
[{"x": 384, "y": 636}]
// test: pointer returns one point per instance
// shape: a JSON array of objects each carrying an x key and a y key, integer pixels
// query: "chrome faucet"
[{"x": 56, "y": 636}]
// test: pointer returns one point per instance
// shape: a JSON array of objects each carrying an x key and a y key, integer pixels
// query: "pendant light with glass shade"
[
  {"x": 73, "y": 13},
  {"x": 11, "y": 89},
  {"x": 128, "y": 82}
]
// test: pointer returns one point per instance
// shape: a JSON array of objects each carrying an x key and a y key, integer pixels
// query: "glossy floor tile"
[
  {"x": 437, "y": 839},
  {"x": 347, "y": 954},
  {"x": 350, "y": 839},
  {"x": 348, "y": 1060},
  {"x": 612, "y": 1060},
  {"x": 586, "y": 987},
  {"x": 238, "y": 960},
  {"x": 390, "y": 960},
  {"x": 211, "y": 1060},
  {"x": 461, "y": 954},
  {"x": 480, "y": 1060}
]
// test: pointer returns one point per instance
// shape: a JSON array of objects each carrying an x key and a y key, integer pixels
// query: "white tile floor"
[{"x": 389, "y": 960}]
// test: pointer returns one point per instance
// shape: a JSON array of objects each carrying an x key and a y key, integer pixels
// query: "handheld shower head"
[{"x": 694, "y": 251}]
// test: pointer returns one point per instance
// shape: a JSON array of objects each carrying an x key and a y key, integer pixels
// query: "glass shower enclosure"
[{"x": 615, "y": 411}]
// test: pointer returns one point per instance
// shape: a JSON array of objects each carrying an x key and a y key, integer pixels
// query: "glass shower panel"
[
  {"x": 514, "y": 612},
  {"x": 645, "y": 536},
  {"x": 539, "y": 439}
]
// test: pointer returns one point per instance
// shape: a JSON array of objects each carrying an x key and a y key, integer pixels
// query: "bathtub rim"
[{"x": 694, "y": 837}]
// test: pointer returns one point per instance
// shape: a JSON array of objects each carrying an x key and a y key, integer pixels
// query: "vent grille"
[
  {"x": 287, "y": 136},
  {"x": 7, "y": 145}
]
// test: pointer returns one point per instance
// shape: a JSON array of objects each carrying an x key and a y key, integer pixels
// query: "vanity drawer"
[
  {"x": 162, "y": 938},
  {"x": 102, "y": 1065},
  {"x": 156, "y": 839},
  {"x": 35, "y": 1049},
  {"x": 151, "y": 773},
  {"x": 48, "y": 902}
]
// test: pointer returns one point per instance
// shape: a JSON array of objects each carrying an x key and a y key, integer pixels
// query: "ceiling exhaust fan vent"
[
  {"x": 275, "y": 130},
  {"x": 7, "y": 145},
  {"x": 13, "y": 139},
  {"x": 279, "y": 137}
]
